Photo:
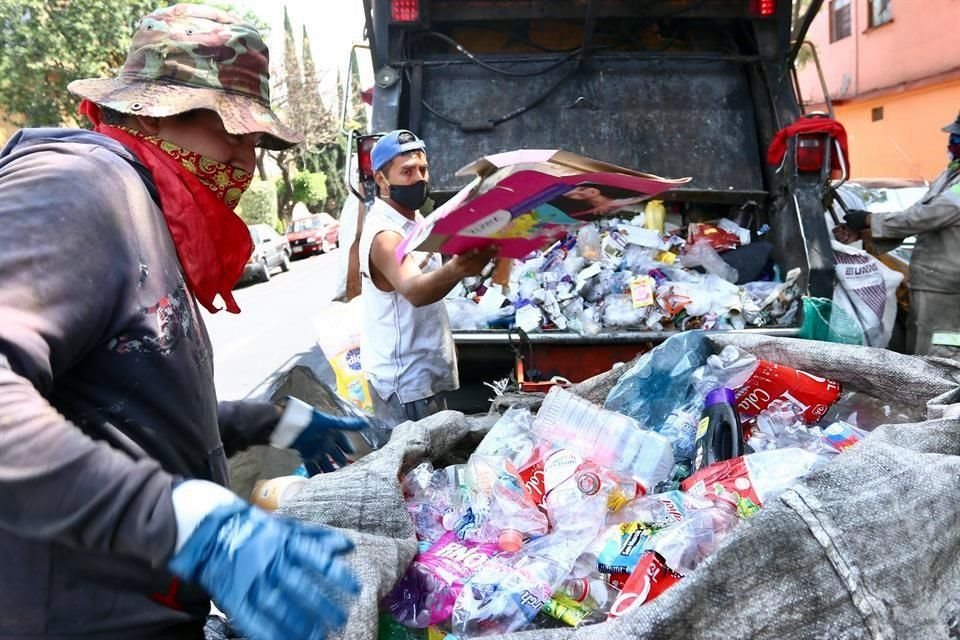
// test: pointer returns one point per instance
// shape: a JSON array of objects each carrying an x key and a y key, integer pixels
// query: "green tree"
[
  {"x": 46, "y": 44},
  {"x": 310, "y": 188},
  {"x": 259, "y": 204}
]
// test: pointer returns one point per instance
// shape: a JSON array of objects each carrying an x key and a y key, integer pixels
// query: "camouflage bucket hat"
[{"x": 190, "y": 57}]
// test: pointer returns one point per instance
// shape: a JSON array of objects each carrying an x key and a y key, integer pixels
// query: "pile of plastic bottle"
[
  {"x": 636, "y": 274},
  {"x": 579, "y": 514}
]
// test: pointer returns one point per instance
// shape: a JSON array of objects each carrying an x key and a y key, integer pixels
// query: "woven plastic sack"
[
  {"x": 823, "y": 320},
  {"x": 866, "y": 547}
]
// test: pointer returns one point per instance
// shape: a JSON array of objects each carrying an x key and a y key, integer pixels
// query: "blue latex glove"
[
  {"x": 319, "y": 438},
  {"x": 276, "y": 579}
]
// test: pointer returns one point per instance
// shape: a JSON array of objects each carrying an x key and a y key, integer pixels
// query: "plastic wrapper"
[
  {"x": 719, "y": 239},
  {"x": 620, "y": 312},
  {"x": 702, "y": 254},
  {"x": 507, "y": 593},
  {"x": 427, "y": 592}
]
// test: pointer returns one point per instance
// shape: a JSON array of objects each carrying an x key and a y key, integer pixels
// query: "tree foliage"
[
  {"x": 311, "y": 189},
  {"x": 46, "y": 44},
  {"x": 302, "y": 106},
  {"x": 259, "y": 204}
]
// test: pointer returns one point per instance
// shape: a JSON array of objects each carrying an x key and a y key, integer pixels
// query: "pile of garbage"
[
  {"x": 579, "y": 513},
  {"x": 636, "y": 274}
]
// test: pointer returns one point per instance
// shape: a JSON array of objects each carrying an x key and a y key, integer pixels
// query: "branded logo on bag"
[
  {"x": 470, "y": 558},
  {"x": 353, "y": 359}
]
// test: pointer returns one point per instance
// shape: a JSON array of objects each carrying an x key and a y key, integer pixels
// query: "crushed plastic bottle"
[
  {"x": 506, "y": 512},
  {"x": 430, "y": 496},
  {"x": 702, "y": 254},
  {"x": 753, "y": 479},
  {"x": 687, "y": 543},
  {"x": 508, "y": 592},
  {"x": 659, "y": 382}
]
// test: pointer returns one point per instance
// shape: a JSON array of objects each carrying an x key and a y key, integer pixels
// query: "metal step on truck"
[{"x": 677, "y": 88}]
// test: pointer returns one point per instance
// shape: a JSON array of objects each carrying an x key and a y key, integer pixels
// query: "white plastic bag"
[{"x": 867, "y": 291}]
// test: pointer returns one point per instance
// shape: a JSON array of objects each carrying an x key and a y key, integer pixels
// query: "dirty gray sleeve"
[
  {"x": 940, "y": 212},
  {"x": 67, "y": 259}
]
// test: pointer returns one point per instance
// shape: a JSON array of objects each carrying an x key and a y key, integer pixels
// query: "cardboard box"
[{"x": 525, "y": 200}]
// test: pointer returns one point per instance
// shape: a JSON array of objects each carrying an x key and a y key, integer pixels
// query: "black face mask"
[{"x": 410, "y": 196}]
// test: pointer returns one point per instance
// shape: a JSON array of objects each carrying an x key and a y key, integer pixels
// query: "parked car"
[
  {"x": 270, "y": 250},
  {"x": 318, "y": 233}
]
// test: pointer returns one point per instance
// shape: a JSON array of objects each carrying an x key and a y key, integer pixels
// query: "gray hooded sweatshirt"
[{"x": 106, "y": 396}]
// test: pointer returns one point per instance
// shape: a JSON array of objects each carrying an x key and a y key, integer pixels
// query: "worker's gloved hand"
[
  {"x": 276, "y": 579},
  {"x": 319, "y": 438},
  {"x": 857, "y": 219}
]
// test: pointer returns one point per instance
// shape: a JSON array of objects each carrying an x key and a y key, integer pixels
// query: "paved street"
[{"x": 275, "y": 329}]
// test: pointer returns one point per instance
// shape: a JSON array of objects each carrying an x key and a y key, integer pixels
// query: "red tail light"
[
  {"x": 763, "y": 8},
  {"x": 810, "y": 148},
  {"x": 405, "y": 11},
  {"x": 364, "y": 148}
]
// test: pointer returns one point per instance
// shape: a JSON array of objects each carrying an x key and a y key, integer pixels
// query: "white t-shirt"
[
  {"x": 348, "y": 230},
  {"x": 404, "y": 349}
]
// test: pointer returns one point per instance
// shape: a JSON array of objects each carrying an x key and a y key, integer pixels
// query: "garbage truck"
[{"x": 676, "y": 88}]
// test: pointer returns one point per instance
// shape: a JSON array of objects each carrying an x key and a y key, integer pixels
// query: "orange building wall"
[
  {"x": 921, "y": 41},
  {"x": 908, "y": 142},
  {"x": 909, "y": 66}
]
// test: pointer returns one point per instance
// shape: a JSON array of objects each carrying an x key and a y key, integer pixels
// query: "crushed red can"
[{"x": 651, "y": 578}]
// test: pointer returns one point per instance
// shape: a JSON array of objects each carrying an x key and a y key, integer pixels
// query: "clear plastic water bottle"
[{"x": 605, "y": 437}]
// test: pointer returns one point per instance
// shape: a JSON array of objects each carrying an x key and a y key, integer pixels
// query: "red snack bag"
[
  {"x": 651, "y": 578},
  {"x": 719, "y": 239}
]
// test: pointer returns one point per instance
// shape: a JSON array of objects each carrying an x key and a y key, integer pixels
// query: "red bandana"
[
  {"x": 226, "y": 182},
  {"x": 212, "y": 242}
]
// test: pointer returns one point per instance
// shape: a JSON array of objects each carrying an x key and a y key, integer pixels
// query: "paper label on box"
[{"x": 641, "y": 291}]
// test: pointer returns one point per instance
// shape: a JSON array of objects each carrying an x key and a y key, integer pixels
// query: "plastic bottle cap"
[
  {"x": 721, "y": 396},
  {"x": 588, "y": 483},
  {"x": 511, "y": 541}
]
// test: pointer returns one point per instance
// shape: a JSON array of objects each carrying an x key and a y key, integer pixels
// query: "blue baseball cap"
[{"x": 392, "y": 145}]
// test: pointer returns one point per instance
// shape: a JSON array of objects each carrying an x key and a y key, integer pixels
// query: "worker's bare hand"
[
  {"x": 472, "y": 262},
  {"x": 845, "y": 234}
]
